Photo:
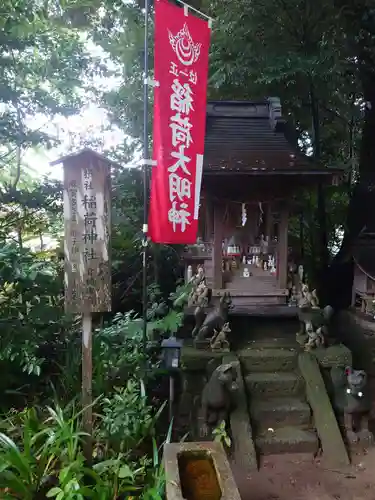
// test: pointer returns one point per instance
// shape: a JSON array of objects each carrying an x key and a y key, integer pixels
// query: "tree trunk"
[
  {"x": 322, "y": 240},
  {"x": 19, "y": 237},
  {"x": 301, "y": 236}
]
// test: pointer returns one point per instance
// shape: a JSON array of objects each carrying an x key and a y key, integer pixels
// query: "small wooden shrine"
[
  {"x": 252, "y": 169},
  {"x": 363, "y": 294}
]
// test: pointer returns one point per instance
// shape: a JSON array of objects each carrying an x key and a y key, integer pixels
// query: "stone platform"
[{"x": 275, "y": 392}]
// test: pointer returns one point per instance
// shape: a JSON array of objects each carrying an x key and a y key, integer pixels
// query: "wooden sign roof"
[
  {"x": 84, "y": 154},
  {"x": 246, "y": 137}
]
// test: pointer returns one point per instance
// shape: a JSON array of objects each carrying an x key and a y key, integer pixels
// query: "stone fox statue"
[
  {"x": 215, "y": 320},
  {"x": 316, "y": 320},
  {"x": 217, "y": 395},
  {"x": 352, "y": 396},
  {"x": 358, "y": 404},
  {"x": 219, "y": 341}
]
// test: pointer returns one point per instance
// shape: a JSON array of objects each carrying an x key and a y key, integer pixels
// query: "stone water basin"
[{"x": 198, "y": 471}]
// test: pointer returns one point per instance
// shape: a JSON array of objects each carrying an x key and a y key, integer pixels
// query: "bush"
[{"x": 41, "y": 455}]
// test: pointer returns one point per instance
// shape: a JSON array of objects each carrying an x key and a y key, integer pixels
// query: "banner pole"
[{"x": 145, "y": 176}]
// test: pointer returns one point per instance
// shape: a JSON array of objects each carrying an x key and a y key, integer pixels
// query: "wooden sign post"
[{"x": 87, "y": 218}]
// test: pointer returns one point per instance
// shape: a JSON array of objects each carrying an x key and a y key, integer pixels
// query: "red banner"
[{"x": 181, "y": 65}]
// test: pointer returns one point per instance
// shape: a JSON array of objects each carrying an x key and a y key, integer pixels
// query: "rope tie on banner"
[
  {"x": 188, "y": 7},
  {"x": 147, "y": 163},
  {"x": 151, "y": 82}
]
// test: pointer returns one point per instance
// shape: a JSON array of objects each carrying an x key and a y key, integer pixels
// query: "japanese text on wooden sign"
[{"x": 87, "y": 220}]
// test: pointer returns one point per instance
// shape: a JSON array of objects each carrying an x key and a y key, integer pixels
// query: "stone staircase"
[{"x": 281, "y": 418}]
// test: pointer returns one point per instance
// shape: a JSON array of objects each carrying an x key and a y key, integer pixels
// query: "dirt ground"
[{"x": 299, "y": 477}]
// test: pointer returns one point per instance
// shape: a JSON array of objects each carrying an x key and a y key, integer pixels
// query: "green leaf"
[
  {"x": 125, "y": 472},
  {"x": 53, "y": 492}
]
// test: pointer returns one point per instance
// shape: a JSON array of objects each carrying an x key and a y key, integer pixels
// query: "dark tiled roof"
[{"x": 251, "y": 137}]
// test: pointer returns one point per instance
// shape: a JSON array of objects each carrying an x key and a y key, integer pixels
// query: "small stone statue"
[
  {"x": 189, "y": 273},
  {"x": 219, "y": 341},
  {"x": 293, "y": 301},
  {"x": 271, "y": 264},
  {"x": 203, "y": 295},
  {"x": 308, "y": 299},
  {"x": 352, "y": 396},
  {"x": 315, "y": 338},
  {"x": 199, "y": 295},
  {"x": 215, "y": 320},
  {"x": 200, "y": 276},
  {"x": 315, "y": 327},
  {"x": 217, "y": 396},
  {"x": 246, "y": 273}
]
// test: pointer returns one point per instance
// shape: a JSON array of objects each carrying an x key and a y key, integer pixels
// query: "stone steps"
[
  {"x": 263, "y": 359},
  {"x": 280, "y": 412},
  {"x": 268, "y": 385},
  {"x": 274, "y": 343},
  {"x": 287, "y": 440},
  {"x": 280, "y": 416}
]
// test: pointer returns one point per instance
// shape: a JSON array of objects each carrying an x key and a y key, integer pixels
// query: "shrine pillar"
[
  {"x": 269, "y": 222},
  {"x": 209, "y": 218},
  {"x": 217, "y": 251},
  {"x": 282, "y": 261}
]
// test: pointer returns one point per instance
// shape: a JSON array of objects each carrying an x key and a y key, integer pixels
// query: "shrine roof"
[
  {"x": 363, "y": 254},
  {"x": 253, "y": 138}
]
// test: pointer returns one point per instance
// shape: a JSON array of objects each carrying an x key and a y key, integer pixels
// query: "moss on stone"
[
  {"x": 325, "y": 420},
  {"x": 358, "y": 339},
  {"x": 287, "y": 440},
  {"x": 197, "y": 359},
  {"x": 271, "y": 385},
  {"x": 242, "y": 434},
  {"x": 268, "y": 360},
  {"x": 280, "y": 412},
  {"x": 333, "y": 356}
]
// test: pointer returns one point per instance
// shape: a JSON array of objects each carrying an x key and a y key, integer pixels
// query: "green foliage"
[
  {"x": 289, "y": 48},
  {"x": 42, "y": 456},
  {"x": 31, "y": 306},
  {"x": 220, "y": 434},
  {"x": 128, "y": 417},
  {"x": 163, "y": 263},
  {"x": 118, "y": 352},
  {"x": 299, "y": 50}
]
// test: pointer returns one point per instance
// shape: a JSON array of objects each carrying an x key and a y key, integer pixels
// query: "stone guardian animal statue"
[
  {"x": 205, "y": 326},
  {"x": 217, "y": 395},
  {"x": 358, "y": 406},
  {"x": 219, "y": 341},
  {"x": 352, "y": 396}
]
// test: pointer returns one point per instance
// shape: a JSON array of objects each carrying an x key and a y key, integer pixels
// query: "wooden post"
[
  {"x": 209, "y": 219},
  {"x": 87, "y": 382},
  {"x": 269, "y": 222},
  {"x": 217, "y": 252},
  {"x": 282, "y": 266},
  {"x": 87, "y": 223}
]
